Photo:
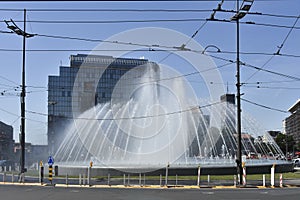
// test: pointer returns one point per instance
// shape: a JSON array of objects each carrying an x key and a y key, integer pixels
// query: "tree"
[{"x": 285, "y": 142}]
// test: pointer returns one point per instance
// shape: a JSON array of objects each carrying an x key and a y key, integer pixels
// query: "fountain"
[{"x": 153, "y": 121}]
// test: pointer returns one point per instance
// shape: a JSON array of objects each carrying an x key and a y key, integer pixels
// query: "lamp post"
[
  {"x": 12, "y": 26},
  {"x": 51, "y": 141},
  {"x": 240, "y": 13}
]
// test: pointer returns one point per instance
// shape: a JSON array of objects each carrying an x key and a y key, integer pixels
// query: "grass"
[{"x": 290, "y": 175}]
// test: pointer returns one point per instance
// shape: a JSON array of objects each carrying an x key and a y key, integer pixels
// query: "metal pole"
[
  {"x": 140, "y": 179},
  {"x": 286, "y": 146},
  {"x": 80, "y": 179},
  {"x": 22, "y": 142},
  {"x": 160, "y": 180},
  {"x": 167, "y": 172},
  {"x": 108, "y": 179},
  {"x": 198, "y": 178},
  {"x": 89, "y": 176},
  {"x": 238, "y": 96},
  {"x": 124, "y": 180}
]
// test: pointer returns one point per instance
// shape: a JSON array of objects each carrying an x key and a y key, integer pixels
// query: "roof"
[{"x": 294, "y": 107}]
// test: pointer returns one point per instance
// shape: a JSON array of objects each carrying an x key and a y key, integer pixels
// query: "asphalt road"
[{"x": 13, "y": 192}]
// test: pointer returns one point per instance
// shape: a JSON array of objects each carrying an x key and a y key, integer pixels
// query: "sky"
[{"x": 277, "y": 87}]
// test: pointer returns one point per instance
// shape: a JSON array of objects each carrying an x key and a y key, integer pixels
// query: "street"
[{"x": 12, "y": 192}]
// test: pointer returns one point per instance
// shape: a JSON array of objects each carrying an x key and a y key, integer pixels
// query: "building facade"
[
  {"x": 88, "y": 81},
  {"x": 228, "y": 127},
  {"x": 292, "y": 123},
  {"x": 6, "y": 142}
]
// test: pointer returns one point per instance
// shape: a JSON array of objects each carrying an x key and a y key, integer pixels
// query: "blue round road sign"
[{"x": 50, "y": 160}]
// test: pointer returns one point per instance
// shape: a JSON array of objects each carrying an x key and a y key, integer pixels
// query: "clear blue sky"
[{"x": 277, "y": 91}]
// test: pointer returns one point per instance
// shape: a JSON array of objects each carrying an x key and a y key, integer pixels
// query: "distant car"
[
  {"x": 252, "y": 155},
  {"x": 296, "y": 162},
  {"x": 2, "y": 162}
]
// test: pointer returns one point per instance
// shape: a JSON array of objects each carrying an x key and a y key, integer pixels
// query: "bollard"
[
  {"x": 176, "y": 180},
  {"x": 50, "y": 174},
  {"x": 273, "y": 176},
  {"x": 264, "y": 180},
  {"x": 280, "y": 181},
  {"x": 140, "y": 179},
  {"x": 160, "y": 180},
  {"x": 4, "y": 177},
  {"x": 67, "y": 179},
  {"x": 89, "y": 176},
  {"x": 22, "y": 178},
  {"x": 108, "y": 179},
  {"x": 55, "y": 170},
  {"x": 83, "y": 179},
  {"x": 244, "y": 177},
  {"x": 208, "y": 179},
  {"x": 234, "y": 180},
  {"x": 144, "y": 179},
  {"x": 80, "y": 179},
  {"x": 41, "y": 175},
  {"x": 167, "y": 172},
  {"x": 198, "y": 179},
  {"x": 12, "y": 178},
  {"x": 128, "y": 179},
  {"x": 244, "y": 174},
  {"x": 124, "y": 179},
  {"x": 238, "y": 177}
]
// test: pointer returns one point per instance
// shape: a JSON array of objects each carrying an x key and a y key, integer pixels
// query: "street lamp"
[
  {"x": 51, "y": 140},
  {"x": 240, "y": 13},
  {"x": 15, "y": 29}
]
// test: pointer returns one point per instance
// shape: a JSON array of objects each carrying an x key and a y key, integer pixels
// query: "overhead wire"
[
  {"x": 153, "y": 21},
  {"x": 13, "y": 114},
  {"x": 103, "y": 10},
  {"x": 275, "y": 88},
  {"x": 294, "y": 27},
  {"x": 130, "y": 118},
  {"x": 272, "y": 72},
  {"x": 158, "y": 46},
  {"x": 148, "y": 49},
  {"x": 263, "y": 106},
  {"x": 138, "y": 10},
  {"x": 278, "y": 51}
]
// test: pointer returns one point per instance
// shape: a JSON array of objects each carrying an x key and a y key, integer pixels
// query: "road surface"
[{"x": 13, "y": 192}]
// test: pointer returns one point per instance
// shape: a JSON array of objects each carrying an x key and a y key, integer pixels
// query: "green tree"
[{"x": 285, "y": 141}]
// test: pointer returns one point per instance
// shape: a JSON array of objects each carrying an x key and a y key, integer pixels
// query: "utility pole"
[
  {"x": 23, "y": 94},
  {"x": 238, "y": 97},
  {"x": 240, "y": 13},
  {"x": 12, "y": 26}
]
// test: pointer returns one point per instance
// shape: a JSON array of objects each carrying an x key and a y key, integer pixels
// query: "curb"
[{"x": 145, "y": 187}]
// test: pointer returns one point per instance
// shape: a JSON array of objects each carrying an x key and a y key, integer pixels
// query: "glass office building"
[{"x": 88, "y": 81}]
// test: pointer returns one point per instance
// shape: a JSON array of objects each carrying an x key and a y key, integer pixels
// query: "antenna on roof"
[{"x": 227, "y": 89}]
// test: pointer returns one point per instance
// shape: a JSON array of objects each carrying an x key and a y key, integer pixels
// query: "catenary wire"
[{"x": 263, "y": 106}]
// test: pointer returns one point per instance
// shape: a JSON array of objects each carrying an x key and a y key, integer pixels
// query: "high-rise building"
[
  {"x": 228, "y": 127},
  {"x": 6, "y": 141},
  {"x": 88, "y": 81},
  {"x": 292, "y": 123}
]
